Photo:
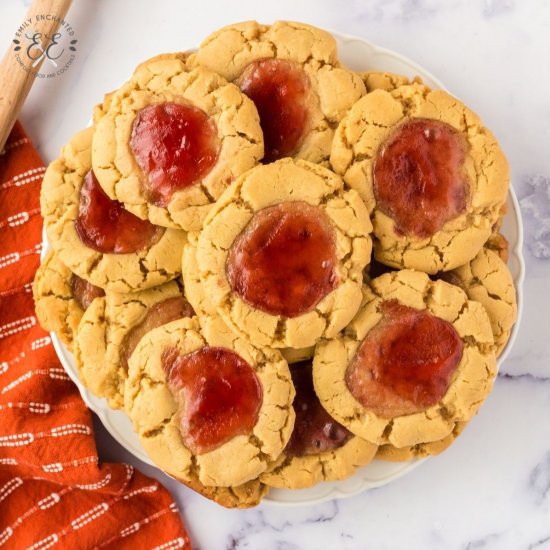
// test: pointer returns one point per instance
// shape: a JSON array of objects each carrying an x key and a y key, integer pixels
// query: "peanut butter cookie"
[
  {"x": 112, "y": 327},
  {"x": 418, "y": 358},
  {"x": 281, "y": 254},
  {"x": 432, "y": 176},
  {"x": 172, "y": 138},
  {"x": 487, "y": 280},
  {"x": 94, "y": 236},
  {"x": 320, "y": 449},
  {"x": 61, "y": 297},
  {"x": 390, "y": 453},
  {"x": 204, "y": 410},
  {"x": 242, "y": 496},
  {"x": 379, "y": 80},
  {"x": 291, "y": 72}
]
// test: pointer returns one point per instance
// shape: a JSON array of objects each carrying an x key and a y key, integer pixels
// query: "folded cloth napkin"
[{"x": 54, "y": 492}]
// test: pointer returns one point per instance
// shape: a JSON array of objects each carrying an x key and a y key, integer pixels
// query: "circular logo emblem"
[{"x": 57, "y": 50}]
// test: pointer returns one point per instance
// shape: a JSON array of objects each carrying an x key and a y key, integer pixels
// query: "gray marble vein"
[{"x": 535, "y": 206}]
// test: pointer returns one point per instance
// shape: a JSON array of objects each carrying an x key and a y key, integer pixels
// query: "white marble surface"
[{"x": 491, "y": 490}]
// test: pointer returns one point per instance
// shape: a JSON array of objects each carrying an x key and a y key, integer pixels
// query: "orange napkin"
[{"x": 54, "y": 493}]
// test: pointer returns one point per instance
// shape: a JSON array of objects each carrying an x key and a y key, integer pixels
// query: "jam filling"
[
  {"x": 221, "y": 396},
  {"x": 175, "y": 145},
  {"x": 280, "y": 91},
  {"x": 84, "y": 292},
  {"x": 284, "y": 261},
  {"x": 161, "y": 313},
  {"x": 405, "y": 363},
  {"x": 315, "y": 431},
  {"x": 104, "y": 225},
  {"x": 419, "y": 179}
]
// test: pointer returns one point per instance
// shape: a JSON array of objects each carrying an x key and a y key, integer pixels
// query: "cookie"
[
  {"x": 295, "y": 355},
  {"x": 432, "y": 176},
  {"x": 95, "y": 237},
  {"x": 498, "y": 243},
  {"x": 390, "y": 453},
  {"x": 378, "y": 80},
  {"x": 60, "y": 298},
  {"x": 207, "y": 314},
  {"x": 112, "y": 327},
  {"x": 417, "y": 359},
  {"x": 320, "y": 449},
  {"x": 172, "y": 139},
  {"x": 101, "y": 108},
  {"x": 281, "y": 254},
  {"x": 291, "y": 72},
  {"x": 487, "y": 280},
  {"x": 242, "y": 496},
  {"x": 204, "y": 410}
]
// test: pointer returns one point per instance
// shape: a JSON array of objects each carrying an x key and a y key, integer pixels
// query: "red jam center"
[
  {"x": 104, "y": 225},
  {"x": 175, "y": 145},
  {"x": 161, "y": 313},
  {"x": 284, "y": 261},
  {"x": 418, "y": 176},
  {"x": 221, "y": 394},
  {"x": 280, "y": 91},
  {"x": 315, "y": 431},
  {"x": 405, "y": 363},
  {"x": 84, "y": 292}
]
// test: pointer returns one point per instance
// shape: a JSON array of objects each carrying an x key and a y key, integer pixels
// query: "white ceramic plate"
[{"x": 359, "y": 55}]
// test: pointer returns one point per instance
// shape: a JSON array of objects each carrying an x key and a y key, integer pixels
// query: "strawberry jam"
[
  {"x": 84, "y": 292},
  {"x": 175, "y": 145},
  {"x": 405, "y": 363},
  {"x": 419, "y": 179},
  {"x": 161, "y": 313},
  {"x": 104, "y": 225},
  {"x": 315, "y": 431},
  {"x": 284, "y": 261},
  {"x": 221, "y": 396},
  {"x": 280, "y": 91}
]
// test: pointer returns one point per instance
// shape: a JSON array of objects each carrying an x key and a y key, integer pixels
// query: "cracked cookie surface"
[
  {"x": 59, "y": 201},
  {"x": 356, "y": 146},
  {"x": 241, "y": 496},
  {"x": 320, "y": 449},
  {"x": 487, "y": 280},
  {"x": 207, "y": 314},
  {"x": 332, "y": 89},
  {"x": 156, "y": 410},
  {"x": 175, "y": 80},
  {"x": 380, "y": 80},
  {"x": 465, "y": 389},
  {"x": 286, "y": 181},
  {"x": 390, "y": 453},
  {"x": 58, "y": 307},
  {"x": 112, "y": 327}
]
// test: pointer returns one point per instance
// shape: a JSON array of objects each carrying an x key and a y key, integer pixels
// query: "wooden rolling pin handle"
[{"x": 15, "y": 81}]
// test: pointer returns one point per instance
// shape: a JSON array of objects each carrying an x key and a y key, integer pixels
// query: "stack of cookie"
[{"x": 279, "y": 268}]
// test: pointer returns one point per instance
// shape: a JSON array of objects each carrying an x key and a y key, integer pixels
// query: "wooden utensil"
[{"x": 15, "y": 81}]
